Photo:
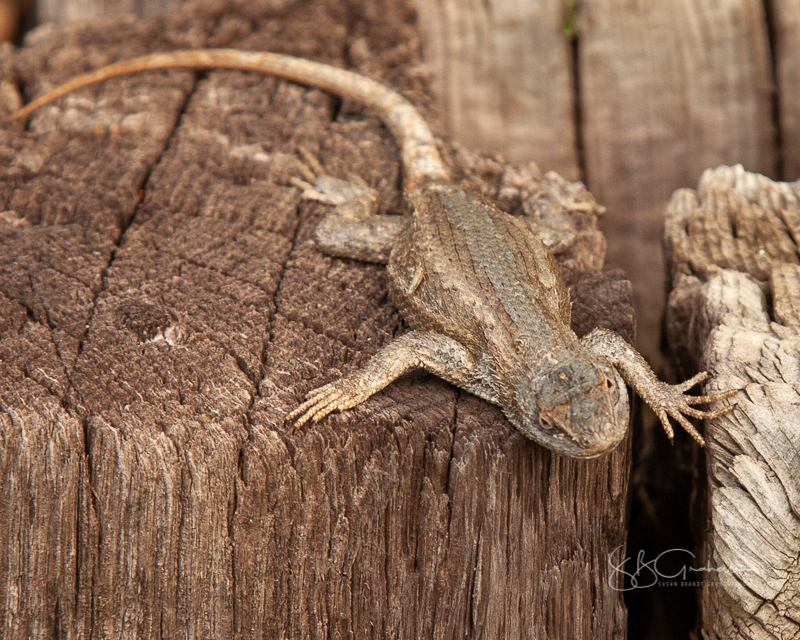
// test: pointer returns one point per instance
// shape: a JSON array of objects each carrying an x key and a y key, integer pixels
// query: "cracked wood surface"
[
  {"x": 732, "y": 246},
  {"x": 634, "y": 98},
  {"x": 163, "y": 307}
]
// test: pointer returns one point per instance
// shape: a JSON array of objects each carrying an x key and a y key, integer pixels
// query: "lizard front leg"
[
  {"x": 438, "y": 354},
  {"x": 665, "y": 399},
  {"x": 352, "y": 229}
]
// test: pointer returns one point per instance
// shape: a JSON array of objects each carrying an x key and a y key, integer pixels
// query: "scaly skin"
[{"x": 484, "y": 297}]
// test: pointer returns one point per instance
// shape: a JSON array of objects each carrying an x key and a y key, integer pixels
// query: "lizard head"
[{"x": 579, "y": 410}]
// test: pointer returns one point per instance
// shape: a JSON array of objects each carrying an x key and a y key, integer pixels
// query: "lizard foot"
[
  {"x": 352, "y": 229},
  {"x": 336, "y": 396},
  {"x": 668, "y": 401},
  {"x": 341, "y": 193},
  {"x": 319, "y": 186},
  {"x": 665, "y": 399},
  {"x": 433, "y": 352}
]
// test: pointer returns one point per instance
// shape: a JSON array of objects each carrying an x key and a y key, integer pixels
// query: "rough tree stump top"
[
  {"x": 735, "y": 311},
  {"x": 162, "y": 308}
]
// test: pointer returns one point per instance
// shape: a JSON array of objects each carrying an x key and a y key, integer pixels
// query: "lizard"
[{"x": 482, "y": 295}]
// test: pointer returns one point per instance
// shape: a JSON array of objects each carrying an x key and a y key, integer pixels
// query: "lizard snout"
[{"x": 580, "y": 410}]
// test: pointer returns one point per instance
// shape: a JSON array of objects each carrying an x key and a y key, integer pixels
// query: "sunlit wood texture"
[{"x": 728, "y": 243}]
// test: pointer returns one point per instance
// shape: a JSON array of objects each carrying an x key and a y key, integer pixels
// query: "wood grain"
[
  {"x": 785, "y": 20},
  {"x": 719, "y": 320},
  {"x": 164, "y": 307},
  {"x": 61, "y": 11},
  {"x": 503, "y": 74},
  {"x": 668, "y": 89}
]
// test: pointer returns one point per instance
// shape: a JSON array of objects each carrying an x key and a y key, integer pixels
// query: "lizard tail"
[{"x": 421, "y": 160}]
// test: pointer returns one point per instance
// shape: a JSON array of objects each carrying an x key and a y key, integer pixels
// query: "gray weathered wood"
[
  {"x": 728, "y": 244},
  {"x": 163, "y": 307}
]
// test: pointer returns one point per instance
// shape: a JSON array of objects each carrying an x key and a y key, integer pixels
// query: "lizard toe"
[
  {"x": 669, "y": 401},
  {"x": 696, "y": 379}
]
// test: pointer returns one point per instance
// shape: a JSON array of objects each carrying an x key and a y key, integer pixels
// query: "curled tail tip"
[
  {"x": 19, "y": 114},
  {"x": 25, "y": 112}
]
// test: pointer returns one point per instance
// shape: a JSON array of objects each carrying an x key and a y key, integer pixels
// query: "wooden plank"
[
  {"x": 69, "y": 10},
  {"x": 202, "y": 315},
  {"x": 727, "y": 243},
  {"x": 668, "y": 89},
  {"x": 785, "y": 17},
  {"x": 502, "y": 71}
]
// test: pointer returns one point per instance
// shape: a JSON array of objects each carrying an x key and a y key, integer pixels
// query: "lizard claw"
[
  {"x": 311, "y": 170},
  {"x": 336, "y": 396},
  {"x": 319, "y": 186},
  {"x": 310, "y": 162},
  {"x": 668, "y": 401}
]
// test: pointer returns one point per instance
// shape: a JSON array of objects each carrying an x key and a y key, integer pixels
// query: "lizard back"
[{"x": 465, "y": 269}]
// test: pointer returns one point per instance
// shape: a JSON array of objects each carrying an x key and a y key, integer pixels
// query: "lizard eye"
[{"x": 555, "y": 418}]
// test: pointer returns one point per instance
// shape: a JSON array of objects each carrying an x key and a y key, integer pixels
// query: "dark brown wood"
[
  {"x": 729, "y": 243},
  {"x": 162, "y": 308}
]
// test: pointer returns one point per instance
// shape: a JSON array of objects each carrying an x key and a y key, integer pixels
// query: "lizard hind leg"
[{"x": 352, "y": 229}]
